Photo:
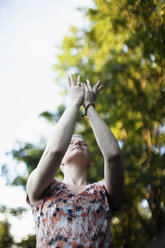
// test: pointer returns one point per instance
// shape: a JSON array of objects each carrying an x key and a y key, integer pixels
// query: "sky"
[{"x": 30, "y": 32}]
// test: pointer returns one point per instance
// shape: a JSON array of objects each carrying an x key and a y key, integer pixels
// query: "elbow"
[{"x": 115, "y": 156}]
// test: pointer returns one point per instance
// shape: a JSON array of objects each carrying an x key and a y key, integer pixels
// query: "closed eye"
[{"x": 85, "y": 144}]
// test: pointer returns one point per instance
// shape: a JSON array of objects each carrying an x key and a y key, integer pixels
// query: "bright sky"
[{"x": 29, "y": 32}]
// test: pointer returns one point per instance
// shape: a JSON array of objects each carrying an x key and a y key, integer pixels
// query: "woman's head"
[{"x": 77, "y": 153}]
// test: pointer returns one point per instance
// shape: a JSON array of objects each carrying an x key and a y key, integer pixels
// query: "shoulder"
[
  {"x": 49, "y": 191},
  {"x": 100, "y": 182}
]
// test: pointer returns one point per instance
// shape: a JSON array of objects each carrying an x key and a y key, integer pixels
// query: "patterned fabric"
[{"x": 67, "y": 220}]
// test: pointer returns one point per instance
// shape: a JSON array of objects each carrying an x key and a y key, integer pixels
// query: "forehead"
[{"x": 77, "y": 137}]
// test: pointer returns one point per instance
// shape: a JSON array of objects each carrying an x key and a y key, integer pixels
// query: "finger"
[
  {"x": 97, "y": 84},
  {"x": 99, "y": 89},
  {"x": 89, "y": 85},
  {"x": 69, "y": 82},
  {"x": 84, "y": 85},
  {"x": 78, "y": 80},
  {"x": 72, "y": 79}
]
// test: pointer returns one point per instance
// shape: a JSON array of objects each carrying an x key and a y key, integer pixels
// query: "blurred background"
[{"x": 120, "y": 42}]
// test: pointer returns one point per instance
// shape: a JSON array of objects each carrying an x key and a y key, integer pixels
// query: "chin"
[{"x": 76, "y": 157}]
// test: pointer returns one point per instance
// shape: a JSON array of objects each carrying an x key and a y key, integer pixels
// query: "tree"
[
  {"x": 6, "y": 240},
  {"x": 29, "y": 242},
  {"x": 124, "y": 46}
]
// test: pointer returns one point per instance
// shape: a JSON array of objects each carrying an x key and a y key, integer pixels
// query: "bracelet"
[{"x": 86, "y": 108}]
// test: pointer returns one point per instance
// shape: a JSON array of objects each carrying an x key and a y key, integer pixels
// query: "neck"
[{"x": 74, "y": 175}]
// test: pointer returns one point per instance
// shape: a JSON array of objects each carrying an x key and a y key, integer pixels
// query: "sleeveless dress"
[{"x": 64, "y": 219}]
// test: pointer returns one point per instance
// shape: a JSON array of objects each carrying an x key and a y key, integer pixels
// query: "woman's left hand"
[{"x": 91, "y": 93}]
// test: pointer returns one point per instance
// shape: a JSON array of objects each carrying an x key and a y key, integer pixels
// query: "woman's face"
[{"x": 77, "y": 149}]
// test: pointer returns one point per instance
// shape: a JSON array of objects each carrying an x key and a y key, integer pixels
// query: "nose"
[{"x": 77, "y": 142}]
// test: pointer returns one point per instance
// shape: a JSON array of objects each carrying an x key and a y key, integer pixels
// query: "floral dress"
[{"x": 64, "y": 219}]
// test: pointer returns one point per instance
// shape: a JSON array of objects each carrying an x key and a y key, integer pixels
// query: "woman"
[{"x": 73, "y": 213}]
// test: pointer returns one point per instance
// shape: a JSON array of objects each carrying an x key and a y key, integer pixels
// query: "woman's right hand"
[{"x": 76, "y": 92}]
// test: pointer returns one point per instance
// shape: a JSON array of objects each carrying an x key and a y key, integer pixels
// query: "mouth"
[{"x": 77, "y": 147}]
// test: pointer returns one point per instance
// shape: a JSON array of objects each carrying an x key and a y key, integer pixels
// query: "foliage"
[
  {"x": 29, "y": 242},
  {"x": 13, "y": 211},
  {"x": 124, "y": 46},
  {"x": 51, "y": 117},
  {"x": 6, "y": 240}
]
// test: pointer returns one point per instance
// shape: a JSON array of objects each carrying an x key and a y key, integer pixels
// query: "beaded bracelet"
[{"x": 86, "y": 108}]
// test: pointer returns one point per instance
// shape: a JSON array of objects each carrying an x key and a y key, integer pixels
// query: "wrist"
[
  {"x": 89, "y": 105},
  {"x": 75, "y": 103}
]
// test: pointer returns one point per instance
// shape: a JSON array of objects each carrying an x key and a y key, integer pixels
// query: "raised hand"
[
  {"x": 76, "y": 92},
  {"x": 91, "y": 93}
]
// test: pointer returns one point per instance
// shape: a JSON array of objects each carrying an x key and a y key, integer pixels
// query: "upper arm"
[
  {"x": 31, "y": 187},
  {"x": 43, "y": 175},
  {"x": 114, "y": 180}
]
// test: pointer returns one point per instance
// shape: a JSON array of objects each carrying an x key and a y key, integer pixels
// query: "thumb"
[{"x": 99, "y": 89}]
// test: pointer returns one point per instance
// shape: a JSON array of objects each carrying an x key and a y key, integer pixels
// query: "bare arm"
[
  {"x": 57, "y": 143},
  {"x": 113, "y": 164}
]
